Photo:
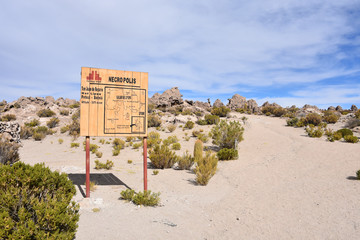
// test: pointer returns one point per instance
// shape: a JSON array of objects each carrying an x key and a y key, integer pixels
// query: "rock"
[
  {"x": 253, "y": 106},
  {"x": 202, "y": 105},
  {"x": 339, "y": 109},
  {"x": 3, "y": 103},
  {"x": 11, "y": 130},
  {"x": 49, "y": 100},
  {"x": 218, "y": 103},
  {"x": 179, "y": 119},
  {"x": 354, "y": 108},
  {"x": 331, "y": 108},
  {"x": 236, "y": 102},
  {"x": 168, "y": 98}
]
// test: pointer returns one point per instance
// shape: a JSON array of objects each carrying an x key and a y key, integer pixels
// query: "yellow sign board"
[{"x": 113, "y": 103}]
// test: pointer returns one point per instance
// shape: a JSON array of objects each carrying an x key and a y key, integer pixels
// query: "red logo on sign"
[{"x": 94, "y": 76}]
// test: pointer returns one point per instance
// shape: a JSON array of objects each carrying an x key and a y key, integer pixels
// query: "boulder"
[
  {"x": 339, "y": 109},
  {"x": 236, "y": 102},
  {"x": 354, "y": 108},
  {"x": 202, "y": 105},
  {"x": 253, "y": 106},
  {"x": 331, "y": 108},
  {"x": 218, "y": 103},
  {"x": 168, "y": 98}
]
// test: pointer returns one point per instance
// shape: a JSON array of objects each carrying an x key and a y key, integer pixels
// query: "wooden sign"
[{"x": 113, "y": 103}]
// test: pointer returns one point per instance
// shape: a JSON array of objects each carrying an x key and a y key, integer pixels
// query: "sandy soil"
[{"x": 284, "y": 185}]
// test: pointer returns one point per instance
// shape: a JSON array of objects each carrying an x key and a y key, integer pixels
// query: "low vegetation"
[
  {"x": 8, "y": 118},
  {"x": 46, "y": 113},
  {"x": 154, "y": 120},
  {"x": 9, "y": 152},
  {"x": 220, "y": 111},
  {"x": 36, "y": 203},
  {"x": 145, "y": 198},
  {"x": 227, "y": 154},
  {"x": 206, "y": 168},
  {"x": 107, "y": 165},
  {"x": 227, "y": 134},
  {"x": 186, "y": 161},
  {"x": 53, "y": 122},
  {"x": 162, "y": 157}
]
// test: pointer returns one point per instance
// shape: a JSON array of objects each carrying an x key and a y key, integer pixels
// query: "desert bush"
[
  {"x": 76, "y": 115},
  {"x": 345, "y": 132},
  {"x": 53, "y": 122},
  {"x": 314, "y": 132},
  {"x": 64, "y": 129},
  {"x": 220, "y": 111},
  {"x": 60, "y": 141},
  {"x": 32, "y": 123},
  {"x": 336, "y": 136},
  {"x": 26, "y": 132},
  {"x": 116, "y": 152},
  {"x": 154, "y": 120},
  {"x": 203, "y": 137},
  {"x": 225, "y": 135},
  {"x": 36, "y": 203},
  {"x": 357, "y": 114},
  {"x": 351, "y": 139},
  {"x": 189, "y": 125},
  {"x": 212, "y": 119},
  {"x": 358, "y": 174},
  {"x": 206, "y": 168},
  {"x": 102, "y": 141},
  {"x": 153, "y": 139},
  {"x": 118, "y": 143},
  {"x": 38, "y": 136},
  {"x": 313, "y": 118},
  {"x": 198, "y": 150},
  {"x": 74, "y": 145},
  {"x": 93, "y": 148},
  {"x": 170, "y": 140},
  {"x": 162, "y": 157},
  {"x": 74, "y": 128},
  {"x": 292, "y": 122},
  {"x": 171, "y": 127},
  {"x": 99, "y": 154},
  {"x": 176, "y": 146},
  {"x": 155, "y": 172},
  {"x": 137, "y": 145},
  {"x": 185, "y": 161},
  {"x": 145, "y": 198},
  {"x": 46, "y": 113},
  {"x": 64, "y": 112},
  {"x": 129, "y": 161},
  {"x": 301, "y": 123},
  {"x": 9, "y": 152},
  {"x": 195, "y": 133},
  {"x": 75, "y": 105},
  {"x": 108, "y": 165},
  {"x": 92, "y": 186},
  {"x": 268, "y": 110},
  {"x": 330, "y": 117},
  {"x": 279, "y": 111},
  {"x": 8, "y": 117},
  {"x": 129, "y": 139},
  {"x": 227, "y": 154},
  {"x": 186, "y": 112}
]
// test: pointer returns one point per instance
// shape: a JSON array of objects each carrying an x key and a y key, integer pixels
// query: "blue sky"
[{"x": 283, "y": 51}]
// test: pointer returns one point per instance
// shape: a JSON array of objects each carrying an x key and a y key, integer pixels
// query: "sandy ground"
[{"x": 284, "y": 185}]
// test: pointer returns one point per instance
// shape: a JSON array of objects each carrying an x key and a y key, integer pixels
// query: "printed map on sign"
[{"x": 124, "y": 110}]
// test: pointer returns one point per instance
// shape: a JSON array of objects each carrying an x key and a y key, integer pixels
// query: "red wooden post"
[
  {"x": 87, "y": 166},
  {"x": 145, "y": 163}
]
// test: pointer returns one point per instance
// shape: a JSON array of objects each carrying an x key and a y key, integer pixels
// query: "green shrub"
[
  {"x": 93, "y": 148},
  {"x": 185, "y": 161},
  {"x": 137, "y": 145},
  {"x": 313, "y": 118},
  {"x": 155, "y": 172},
  {"x": 64, "y": 129},
  {"x": 76, "y": 115},
  {"x": 198, "y": 150},
  {"x": 74, "y": 128},
  {"x": 351, "y": 139},
  {"x": 116, "y": 152},
  {"x": 8, "y": 117},
  {"x": 75, "y": 105},
  {"x": 225, "y": 135},
  {"x": 99, "y": 154},
  {"x": 162, "y": 157},
  {"x": 153, "y": 139},
  {"x": 154, "y": 120},
  {"x": 301, "y": 123},
  {"x": 36, "y": 203},
  {"x": 46, "y": 113},
  {"x": 108, "y": 165},
  {"x": 336, "y": 136},
  {"x": 278, "y": 112},
  {"x": 53, "y": 122},
  {"x": 129, "y": 161},
  {"x": 102, "y": 141},
  {"x": 9, "y": 152},
  {"x": 212, "y": 119},
  {"x": 64, "y": 112},
  {"x": 345, "y": 132},
  {"x": 74, "y": 145},
  {"x": 26, "y": 132},
  {"x": 171, "y": 127},
  {"x": 330, "y": 117},
  {"x": 220, "y": 111},
  {"x": 189, "y": 125},
  {"x": 358, "y": 174},
  {"x": 60, "y": 140},
  {"x": 227, "y": 154},
  {"x": 292, "y": 122},
  {"x": 32, "y": 123},
  {"x": 314, "y": 132},
  {"x": 40, "y": 133},
  {"x": 145, "y": 198},
  {"x": 176, "y": 146},
  {"x": 129, "y": 139},
  {"x": 203, "y": 137},
  {"x": 357, "y": 114},
  {"x": 202, "y": 122},
  {"x": 38, "y": 136},
  {"x": 268, "y": 110},
  {"x": 170, "y": 140},
  {"x": 118, "y": 143},
  {"x": 206, "y": 168}
]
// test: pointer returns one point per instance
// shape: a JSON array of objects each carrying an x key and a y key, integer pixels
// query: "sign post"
[{"x": 113, "y": 103}]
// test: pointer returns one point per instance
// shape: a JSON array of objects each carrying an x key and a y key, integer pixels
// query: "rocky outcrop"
[
  {"x": 218, "y": 103},
  {"x": 236, "y": 102},
  {"x": 331, "y": 108},
  {"x": 202, "y": 105},
  {"x": 339, "y": 109},
  {"x": 168, "y": 98},
  {"x": 353, "y": 108},
  {"x": 253, "y": 106},
  {"x": 11, "y": 130}
]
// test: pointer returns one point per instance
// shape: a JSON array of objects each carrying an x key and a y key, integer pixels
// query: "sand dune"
[{"x": 284, "y": 185}]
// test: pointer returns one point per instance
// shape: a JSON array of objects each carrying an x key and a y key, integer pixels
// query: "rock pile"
[
  {"x": 10, "y": 131},
  {"x": 168, "y": 98}
]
